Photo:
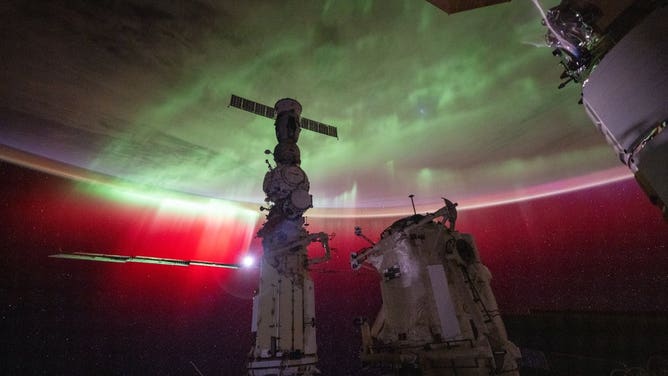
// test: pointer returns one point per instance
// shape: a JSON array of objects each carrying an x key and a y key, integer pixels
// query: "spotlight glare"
[{"x": 248, "y": 261}]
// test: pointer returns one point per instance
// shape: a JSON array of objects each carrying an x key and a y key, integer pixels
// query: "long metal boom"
[{"x": 141, "y": 259}]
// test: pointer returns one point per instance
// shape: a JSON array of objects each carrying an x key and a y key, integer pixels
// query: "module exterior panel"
[
  {"x": 454, "y": 6},
  {"x": 626, "y": 96},
  {"x": 447, "y": 313}
]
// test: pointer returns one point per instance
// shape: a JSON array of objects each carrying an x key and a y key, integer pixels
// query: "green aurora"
[{"x": 461, "y": 105}]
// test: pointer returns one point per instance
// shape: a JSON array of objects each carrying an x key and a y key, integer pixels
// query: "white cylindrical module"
[
  {"x": 439, "y": 314},
  {"x": 285, "y": 338},
  {"x": 285, "y": 322},
  {"x": 283, "y": 319}
]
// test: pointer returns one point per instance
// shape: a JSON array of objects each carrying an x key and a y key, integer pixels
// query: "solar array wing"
[
  {"x": 141, "y": 259},
  {"x": 316, "y": 126},
  {"x": 250, "y": 106},
  {"x": 266, "y": 111}
]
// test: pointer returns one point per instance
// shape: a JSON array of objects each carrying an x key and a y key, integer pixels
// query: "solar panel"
[
  {"x": 306, "y": 124},
  {"x": 250, "y": 106},
  {"x": 270, "y": 112},
  {"x": 236, "y": 101},
  {"x": 263, "y": 110},
  {"x": 318, "y": 127}
]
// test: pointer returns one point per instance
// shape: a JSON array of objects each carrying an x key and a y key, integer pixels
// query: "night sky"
[{"x": 602, "y": 249}]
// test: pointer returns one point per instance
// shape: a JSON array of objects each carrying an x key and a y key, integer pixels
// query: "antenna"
[
  {"x": 358, "y": 232},
  {"x": 412, "y": 202},
  {"x": 451, "y": 212},
  {"x": 270, "y": 112}
]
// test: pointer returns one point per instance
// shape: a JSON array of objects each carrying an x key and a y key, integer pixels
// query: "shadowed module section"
[{"x": 454, "y": 6}]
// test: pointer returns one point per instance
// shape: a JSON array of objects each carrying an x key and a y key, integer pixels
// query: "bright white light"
[{"x": 248, "y": 261}]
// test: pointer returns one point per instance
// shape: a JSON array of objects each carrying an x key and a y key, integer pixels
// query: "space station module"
[
  {"x": 439, "y": 315},
  {"x": 618, "y": 50},
  {"x": 283, "y": 321}
]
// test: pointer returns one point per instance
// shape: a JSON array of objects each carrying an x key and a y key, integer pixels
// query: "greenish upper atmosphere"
[{"x": 462, "y": 105}]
